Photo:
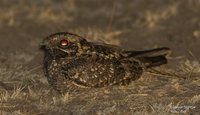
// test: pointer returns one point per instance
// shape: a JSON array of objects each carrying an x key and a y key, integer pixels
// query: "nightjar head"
[{"x": 64, "y": 44}]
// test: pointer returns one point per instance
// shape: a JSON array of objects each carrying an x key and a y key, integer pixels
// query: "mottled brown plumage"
[{"x": 71, "y": 62}]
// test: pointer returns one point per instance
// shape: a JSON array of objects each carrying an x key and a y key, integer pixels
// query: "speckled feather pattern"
[{"x": 83, "y": 64}]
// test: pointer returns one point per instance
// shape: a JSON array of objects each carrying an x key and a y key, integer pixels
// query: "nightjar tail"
[{"x": 151, "y": 58}]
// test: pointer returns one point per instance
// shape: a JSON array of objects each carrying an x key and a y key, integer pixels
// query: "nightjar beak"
[{"x": 42, "y": 46}]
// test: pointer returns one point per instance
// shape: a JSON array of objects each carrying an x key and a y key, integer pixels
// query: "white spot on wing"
[
  {"x": 95, "y": 75},
  {"x": 76, "y": 75}
]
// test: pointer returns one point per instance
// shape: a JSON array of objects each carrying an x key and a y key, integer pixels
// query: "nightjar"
[{"x": 71, "y": 62}]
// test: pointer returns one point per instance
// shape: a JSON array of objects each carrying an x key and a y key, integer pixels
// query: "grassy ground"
[
  {"x": 170, "y": 89},
  {"x": 26, "y": 91}
]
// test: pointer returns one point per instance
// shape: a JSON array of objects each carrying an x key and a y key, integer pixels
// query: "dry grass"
[
  {"x": 97, "y": 35},
  {"x": 40, "y": 13},
  {"x": 170, "y": 91},
  {"x": 152, "y": 19}
]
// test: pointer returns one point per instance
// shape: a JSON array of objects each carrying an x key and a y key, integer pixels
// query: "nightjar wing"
[{"x": 101, "y": 69}]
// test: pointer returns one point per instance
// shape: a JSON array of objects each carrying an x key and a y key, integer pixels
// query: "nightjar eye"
[{"x": 64, "y": 43}]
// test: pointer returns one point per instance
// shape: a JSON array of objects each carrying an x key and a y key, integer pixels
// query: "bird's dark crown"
[{"x": 64, "y": 44}]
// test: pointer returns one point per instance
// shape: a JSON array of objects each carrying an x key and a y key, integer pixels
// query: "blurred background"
[{"x": 132, "y": 24}]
